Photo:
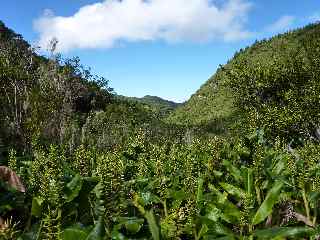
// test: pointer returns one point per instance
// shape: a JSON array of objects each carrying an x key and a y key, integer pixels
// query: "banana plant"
[{"x": 234, "y": 209}]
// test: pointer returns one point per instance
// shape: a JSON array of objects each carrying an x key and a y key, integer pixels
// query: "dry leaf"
[{"x": 7, "y": 175}]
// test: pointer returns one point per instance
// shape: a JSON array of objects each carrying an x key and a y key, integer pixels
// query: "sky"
[{"x": 167, "y": 48}]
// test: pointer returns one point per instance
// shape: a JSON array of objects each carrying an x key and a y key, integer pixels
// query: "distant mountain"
[{"x": 156, "y": 104}]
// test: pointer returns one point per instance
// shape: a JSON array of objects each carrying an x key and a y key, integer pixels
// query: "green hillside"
[
  {"x": 211, "y": 106},
  {"x": 156, "y": 104},
  {"x": 264, "y": 74}
]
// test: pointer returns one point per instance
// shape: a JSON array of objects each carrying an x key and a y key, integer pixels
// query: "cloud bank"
[{"x": 105, "y": 24}]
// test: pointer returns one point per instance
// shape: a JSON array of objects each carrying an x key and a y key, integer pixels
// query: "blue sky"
[{"x": 167, "y": 48}]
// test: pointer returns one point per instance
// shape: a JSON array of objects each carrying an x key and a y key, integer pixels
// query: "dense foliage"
[
  {"x": 156, "y": 104},
  {"x": 40, "y": 95},
  {"x": 274, "y": 84},
  {"x": 281, "y": 94},
  {"x": 96, "y": 166},
  {"x": 219, "y": 189}
]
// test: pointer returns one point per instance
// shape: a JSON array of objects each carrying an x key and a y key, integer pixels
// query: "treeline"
[{"x": 41, "y": 96}]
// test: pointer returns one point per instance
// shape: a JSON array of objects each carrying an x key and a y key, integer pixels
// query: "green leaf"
[
  {"x": 217, "y": 173},
  {"x": 36, "y": 208},
  {"x": 283, "y": 232},
  {"x": 203, "y": 231},
  {"x": 235, "y": 191},
  {"x": 84, "y": 207},
  {"x": 314, "y": 198},
  {"x": 153, "y": 226},
  {"x": 248, "y": 180},
  {"x": 235, "y": 172},
  {"x": 116, "y": 235},
  {"x": 214, "y": 214},
  {"x": 200, "y": 191},
  {"x": 279, "y": 166},
  {"x": 266, "y": 207},
  {"x": 133, "y": 224},
  {"x": 98, "y": 232},
  {"x": 216, "y": 228},
  {"x": 73, "y": 188},
  {"x": 74, "y": 233},
  {"x": 230, "y": 213}
]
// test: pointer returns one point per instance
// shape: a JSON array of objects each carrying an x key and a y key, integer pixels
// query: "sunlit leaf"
[
  {"x": 266, "y": 207},
  {"x": 283, "y": 232},
  {"x": 36, "y": 208}
]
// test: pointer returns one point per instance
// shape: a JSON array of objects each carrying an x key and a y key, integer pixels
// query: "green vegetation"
[
  {"x": 211, "y": 102},
  {"x": 239, "y": 160},
  {"x": 156, "y": 104},
  {"x": 274, "y": 84}
]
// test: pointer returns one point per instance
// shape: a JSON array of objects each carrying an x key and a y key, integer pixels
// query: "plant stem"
[
  {"x": 315, "y": 215},
  {"x": 165, "y": 208},
  {"x": 306, "y": 204}
]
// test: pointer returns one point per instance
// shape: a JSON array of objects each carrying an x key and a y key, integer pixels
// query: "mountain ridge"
[{"x": 157, "y": 104}]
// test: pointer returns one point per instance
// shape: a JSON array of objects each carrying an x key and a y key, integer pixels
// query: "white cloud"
[
  {"x": 105, "y": 24},
  {"x": 281, "y": 24}
]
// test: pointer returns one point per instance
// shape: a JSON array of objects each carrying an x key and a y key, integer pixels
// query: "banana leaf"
[
  {"x": 266, "y": 207},
  {"x": 283, "y": 232}
]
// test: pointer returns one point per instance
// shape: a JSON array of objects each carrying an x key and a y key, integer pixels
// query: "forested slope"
[
  {"x": 156, "y": 104},
  {"x": 57, "y": 100},
  {"x": 41, "y": 96},
  {"x": 260, "y": 82}
]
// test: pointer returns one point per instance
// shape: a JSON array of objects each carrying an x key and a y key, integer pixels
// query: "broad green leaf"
[
  {"x": 233, "y": 190},
  {"x": 74, "y": 234},
  {"x": 221, "y": 197},
  {"x": 178, "y": 195},
  {"x": 88, "y": 184},
  {"x": 133, "y": 227},
  {"x": 214, "y": 214},
  {"x": 73, "y": 188},
  {"x": 234, "y": 171},
  {"x": 203, "y": 231},
  {"x": 36, "y": 208},
  {"x": 266, "y": 207},
  {"x": 153, "y": 226},
  {"x": 283, "y": 232},
  {"x": 279, "y": 166},
  {"x": 226, "y": 238},
  {"x": 217, "y": 229},
  {"x": 132, "y": 224},
  {"x": 314, "y": 198},
  {"x": 98, "y": 232},
  {"x": 230, "y": 213}
]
